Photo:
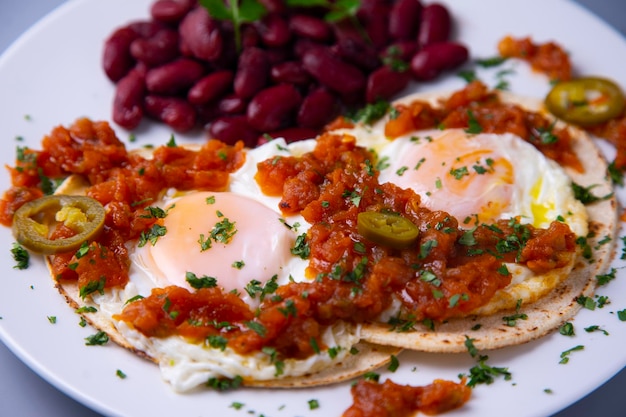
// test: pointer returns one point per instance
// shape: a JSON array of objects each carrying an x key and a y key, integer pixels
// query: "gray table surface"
[{"x": 24, "y": 394}]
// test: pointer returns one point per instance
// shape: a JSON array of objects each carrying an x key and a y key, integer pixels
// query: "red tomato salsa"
[
  {"x": 447, "y": 272},
  {"x": 371, "y": 399}
]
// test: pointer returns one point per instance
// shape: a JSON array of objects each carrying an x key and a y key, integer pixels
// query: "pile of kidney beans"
[{"x": 294, "y": 73}]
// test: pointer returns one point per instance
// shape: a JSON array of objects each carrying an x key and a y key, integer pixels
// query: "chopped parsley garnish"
[
  {"x": 289, "y": 309},
  {"x": 383, "y": 163},
  {"x": 565, "y": 354},
  {"x": 86, "y": 309},
  {"x": 491, "y": 62},
  {"x": 93, "y": 286},
  {"x": 372, "y": 112},
  {"x": 371, "y": 376},
  {"x": 512, "y": 319},
  {"x": 202, "y": 282},
  {"x": 587, "y": 302},
  {"x": 238, "y": 264},
  {"x": 401, "y": 325},
  {"x": 100, "y": 338},
  {"x": 172, "y": 142},
  {"x": 604, "y": 279},
  {"x": 621, "y": 315},
  {"x": 430, "y": 277},
  {"x": 394, "y": 363},
  {"x": 237, "y": 405},
  {"x": 585, "y": 196},
  {"x": 473, "y": 126},
  {"x": 20, "y": 256},
  {"x": 314, "y": 345},
  {"x": 210, "y": 199},
  {"x": 224, "y": 384},
  {"x": 152, "y": 235},
  {"x": 217, "y": 342},
  {"x": 223, "y": 231},
  {"x": 468, "y": 75},
  {"x": 486, "y": 374},
  {"x": 120, "y": 374},
  {"x": 469, "y": 345},
  {"x": 256, "y": 327},
  {"x": 333, "y": 351},
  {"x": 154, "y": 213},
  {"x": 596, "y": 328},
  {"x": 301, "y": 247},
  {"x": 567, "y": 329},
  {"x": 426, "y": 247},
  {"x": 459, "y": 173},
  {"x": 400, "y": 171},
  {"x": 546, "y": 136},
  {"x": 616, "y": 175},
  {"x": 52, "y": 319},
  {"x": 313, "y": 404},
  {"x": 133, "y": 299},
  {"x": 83, "y": 250}
]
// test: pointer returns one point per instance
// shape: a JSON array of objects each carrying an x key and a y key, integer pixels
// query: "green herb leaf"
[
  {"x": 100, "y": 338},
  {"x": 301, "y": 247},
  {"x": 224, "y": 384},
  {"x": 202, "y": 282},
  {"x": 20, "y": 256}
]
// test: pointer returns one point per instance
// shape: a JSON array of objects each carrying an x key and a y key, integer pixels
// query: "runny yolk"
[
  {"x": 230, "y": 237},
  {"x": 464, "y": 175}
]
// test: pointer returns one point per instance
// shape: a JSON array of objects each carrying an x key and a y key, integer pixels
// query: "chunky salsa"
[{"x": 445, "y": 272}]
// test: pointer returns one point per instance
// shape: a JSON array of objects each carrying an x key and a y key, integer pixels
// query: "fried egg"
[
  {"x": 481, "y": 178},
  {"x": 236, "y": 236}
]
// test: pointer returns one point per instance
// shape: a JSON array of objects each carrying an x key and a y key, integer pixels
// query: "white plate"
[{"x": 53, "y": 75}]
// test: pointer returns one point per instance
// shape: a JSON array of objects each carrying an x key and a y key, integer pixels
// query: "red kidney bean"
[
  {"x": 377, "y": 28},
  {"x": 128, "y": 100},
  {"x": 434, "y": 26},
  {"x": 404, "y": 19},
  {"x": 385, "y": 82},
  {"x": 310, "y": 27},
  {"x": 174, "y": 77},
  {"x": 210, "y": 87},
  {"x": 290, "y": 72},
  {"x": 170, "y": 11},
  {"x": 156, "y": 50},
  {"x": 173, "y": 111},
  {"x": 401, "y": 50},
  {"x": 435, "y": 58},
  {"x": 250, "y": 37},
  {"x": 253, "y": 71},
  {"x": 232, "y": 104},
  {"x": 302, "y": 45},
  {"x": 116, "y": 57},
  {"x": 332, "y": 71},
  {"x": 369, "y": 8},
  {"x": 200, "y": 35},
  {"x": 357, "y": 52},
  {"x": 274, "y": 30},
  {"x": 317, "y": 109},
  {"x": 277, "y": 55},
  {"x": 290, "y": 134},
  {"x": 230, "y": 129},
  {"x": 207, "y": 113},
  {"x": 273, "y": 108}
]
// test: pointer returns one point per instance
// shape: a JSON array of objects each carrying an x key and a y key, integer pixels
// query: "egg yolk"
[
  {"x": 226, "y": 236},
  {"x": 464, "y": 175}
]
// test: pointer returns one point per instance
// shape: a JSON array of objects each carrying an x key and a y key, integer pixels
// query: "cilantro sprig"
[{"x": 236, "y": 11}]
